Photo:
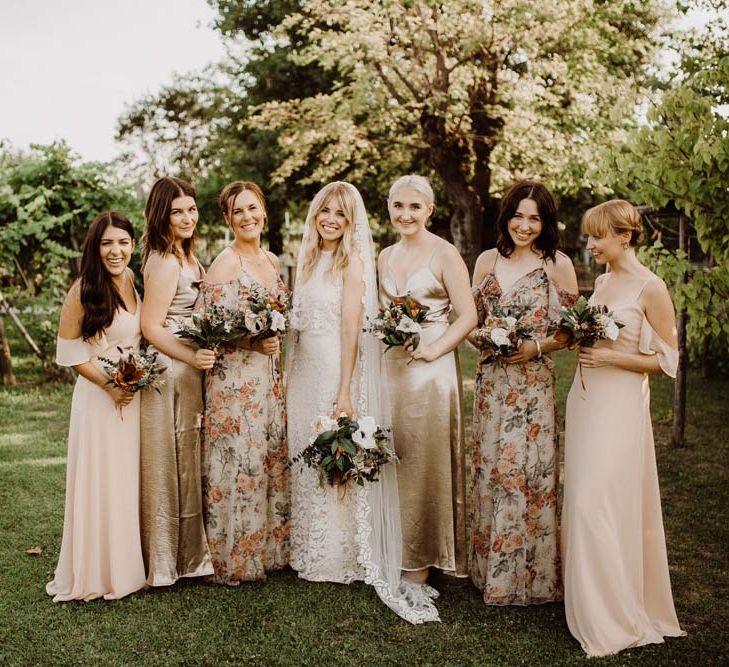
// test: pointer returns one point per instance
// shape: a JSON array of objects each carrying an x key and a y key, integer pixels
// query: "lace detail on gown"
[{"x": 323, "y": 542}]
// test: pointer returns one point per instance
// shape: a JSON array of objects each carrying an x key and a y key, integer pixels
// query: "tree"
[
  {"x": 195, "y": 127},
  {"x": 680, "y": 158},
  {"x": 47, "y": 200},
  {"x": 481, "y": 92}
]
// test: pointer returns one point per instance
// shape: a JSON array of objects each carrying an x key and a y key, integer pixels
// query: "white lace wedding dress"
[
  {"x": 335, "y": 536},
  {"x": 323, "y": 527}
]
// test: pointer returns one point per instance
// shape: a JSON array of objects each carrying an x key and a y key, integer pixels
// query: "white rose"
[
  {"x": 500, "y": 336},
  {"x": 364, "y": 436},
  {"x": 278, "y": 321},
  {"x": 611, "y": 330},
  {"x": 407, "y": 325},
  {"x": 510, "y": 322}
]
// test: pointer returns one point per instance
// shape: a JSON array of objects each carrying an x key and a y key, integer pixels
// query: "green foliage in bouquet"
[
  {"x": 584, "y": 324},
  {"x": 399, "y": 323},
  {"x": 348, "y": 450},
  {"x": 215, "y": 327}
]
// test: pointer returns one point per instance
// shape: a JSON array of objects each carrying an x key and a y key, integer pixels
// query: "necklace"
[{"x": 256, "y": 261}]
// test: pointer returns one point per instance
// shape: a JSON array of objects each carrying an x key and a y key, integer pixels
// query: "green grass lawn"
[{"x": 286, "y": 621}]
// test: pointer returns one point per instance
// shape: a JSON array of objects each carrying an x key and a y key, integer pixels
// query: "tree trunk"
[
  {"x": 679, "y": 396},
  {"x": 6, "y": 363},
  {"x": 466, "y": 229},
  {"x": 5, "y": 305}
]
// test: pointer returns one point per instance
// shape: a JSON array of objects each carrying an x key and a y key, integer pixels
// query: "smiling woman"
[
  {"x": 101, "y": 553},
  {"x": 245, "y": 475},
  {"x": 173, "y": 538}
]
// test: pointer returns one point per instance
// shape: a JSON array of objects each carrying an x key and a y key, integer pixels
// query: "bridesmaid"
[
  {"x": 617, "y": 586},
  {"x": 514, "y": 555},
  {"x": 173, "y": 538},
  {"x": 245, "y": 458},
  {"x": 426, "y": 395},
  {"x": 100, "y": 553}
]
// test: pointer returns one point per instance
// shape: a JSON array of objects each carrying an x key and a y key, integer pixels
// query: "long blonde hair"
[{"x": 345, "y": 200}]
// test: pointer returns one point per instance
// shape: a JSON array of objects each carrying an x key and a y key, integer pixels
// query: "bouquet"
[
  {"x": 399, "y": 323},
  {"x": 266, "y": 315},
  {"x": 214, "y": 327},
  {"x": 347, "y": 450},
  {"x": 502, "y": 333},
  {"x": 583, "y": 325},
  {"x": 134, "y": 370}
]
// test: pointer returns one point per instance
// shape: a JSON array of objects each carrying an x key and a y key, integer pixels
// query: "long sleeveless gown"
[
  {"x": 173, "y": 537},
  {"x": 514, "y": 556},
  {"x": 617, "y": 585},
  {"x": 323, "y": 525},
  {"x": 427, "y": 426},
  {"x": 245, "y": 476},
  {"x": 101, "y": 554}
]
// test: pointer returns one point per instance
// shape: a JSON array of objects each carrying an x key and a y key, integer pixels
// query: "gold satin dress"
[
  {"x": 427, "y": 424},
  {"x": 173, "y": 535}
]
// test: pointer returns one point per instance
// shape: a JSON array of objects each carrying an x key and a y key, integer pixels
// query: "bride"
[{"x": 334, "y": 368}]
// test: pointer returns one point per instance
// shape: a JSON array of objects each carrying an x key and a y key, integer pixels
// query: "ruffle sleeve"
[
  {"x": 74, "y": 352},
  {"x": 651, "y": 343}
]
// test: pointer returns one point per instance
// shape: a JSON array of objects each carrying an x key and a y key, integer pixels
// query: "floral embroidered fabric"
[
  {"x": 514, "y": 555},
  {"x": 245, "y": 473}
]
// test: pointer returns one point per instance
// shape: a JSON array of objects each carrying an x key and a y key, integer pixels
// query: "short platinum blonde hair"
[{"x": 414, "y": 182}]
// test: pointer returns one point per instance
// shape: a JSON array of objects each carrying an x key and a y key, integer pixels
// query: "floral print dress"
[
  {"x": 245, "y": 478},
  {"x": 514, "y": 554}
]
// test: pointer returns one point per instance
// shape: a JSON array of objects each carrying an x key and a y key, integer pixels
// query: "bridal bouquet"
[
  {"x": 212, "y": 328},
  {"x": 583, "y": 325},
  {"x": 265, "y": 316},
  {"x": 502, "y": 333},
  {"x": 347, "y": 450},
  {"x": 134, "y": 370},
  {"x": 399, "y": 323}
]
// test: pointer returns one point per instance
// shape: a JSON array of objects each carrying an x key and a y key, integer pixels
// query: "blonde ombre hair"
[
  {"x": 343, "y": 199},
  {"x": 615, "y": 217}
]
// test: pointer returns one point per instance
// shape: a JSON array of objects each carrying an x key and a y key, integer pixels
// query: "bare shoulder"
[
  {"x": 485, "y": 259},
  {"x": 384, "y": 254},
  {"x": 562, "y": 272},
  {"x": 73, "y": 297},
  {"x": 655, "y": 288},
  {"x": 274, "y": 258},
  {"x": 225, "y": 267},
  {"x": 601, "y": 279},
  {"x": 447, "y": 251},
  {"x": 164, "y": 267}
]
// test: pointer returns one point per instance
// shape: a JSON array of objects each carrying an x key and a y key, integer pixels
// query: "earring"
[{"x": 625, "y": 245}]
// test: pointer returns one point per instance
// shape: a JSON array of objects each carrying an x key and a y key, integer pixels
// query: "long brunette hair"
[
  {"x": 100, "y": 298},
  {"x": 157, "y": 236}
]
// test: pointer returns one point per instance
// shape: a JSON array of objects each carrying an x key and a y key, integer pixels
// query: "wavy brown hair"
[
  {"x": 548, "y": 238},
  {"x": 157, "y": 236},
  {"x": 99, "y": 297}
]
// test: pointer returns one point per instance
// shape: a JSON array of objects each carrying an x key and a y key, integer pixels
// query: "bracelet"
[{"x": 539, "y": 348}]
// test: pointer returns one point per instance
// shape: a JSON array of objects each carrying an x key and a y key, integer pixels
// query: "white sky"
[{"x": 67, "y": 67}]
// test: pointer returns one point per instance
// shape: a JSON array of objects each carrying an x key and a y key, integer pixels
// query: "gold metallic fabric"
[
  {"x": 173, "y": 535},
  {"x": 427, "y": 418}
]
